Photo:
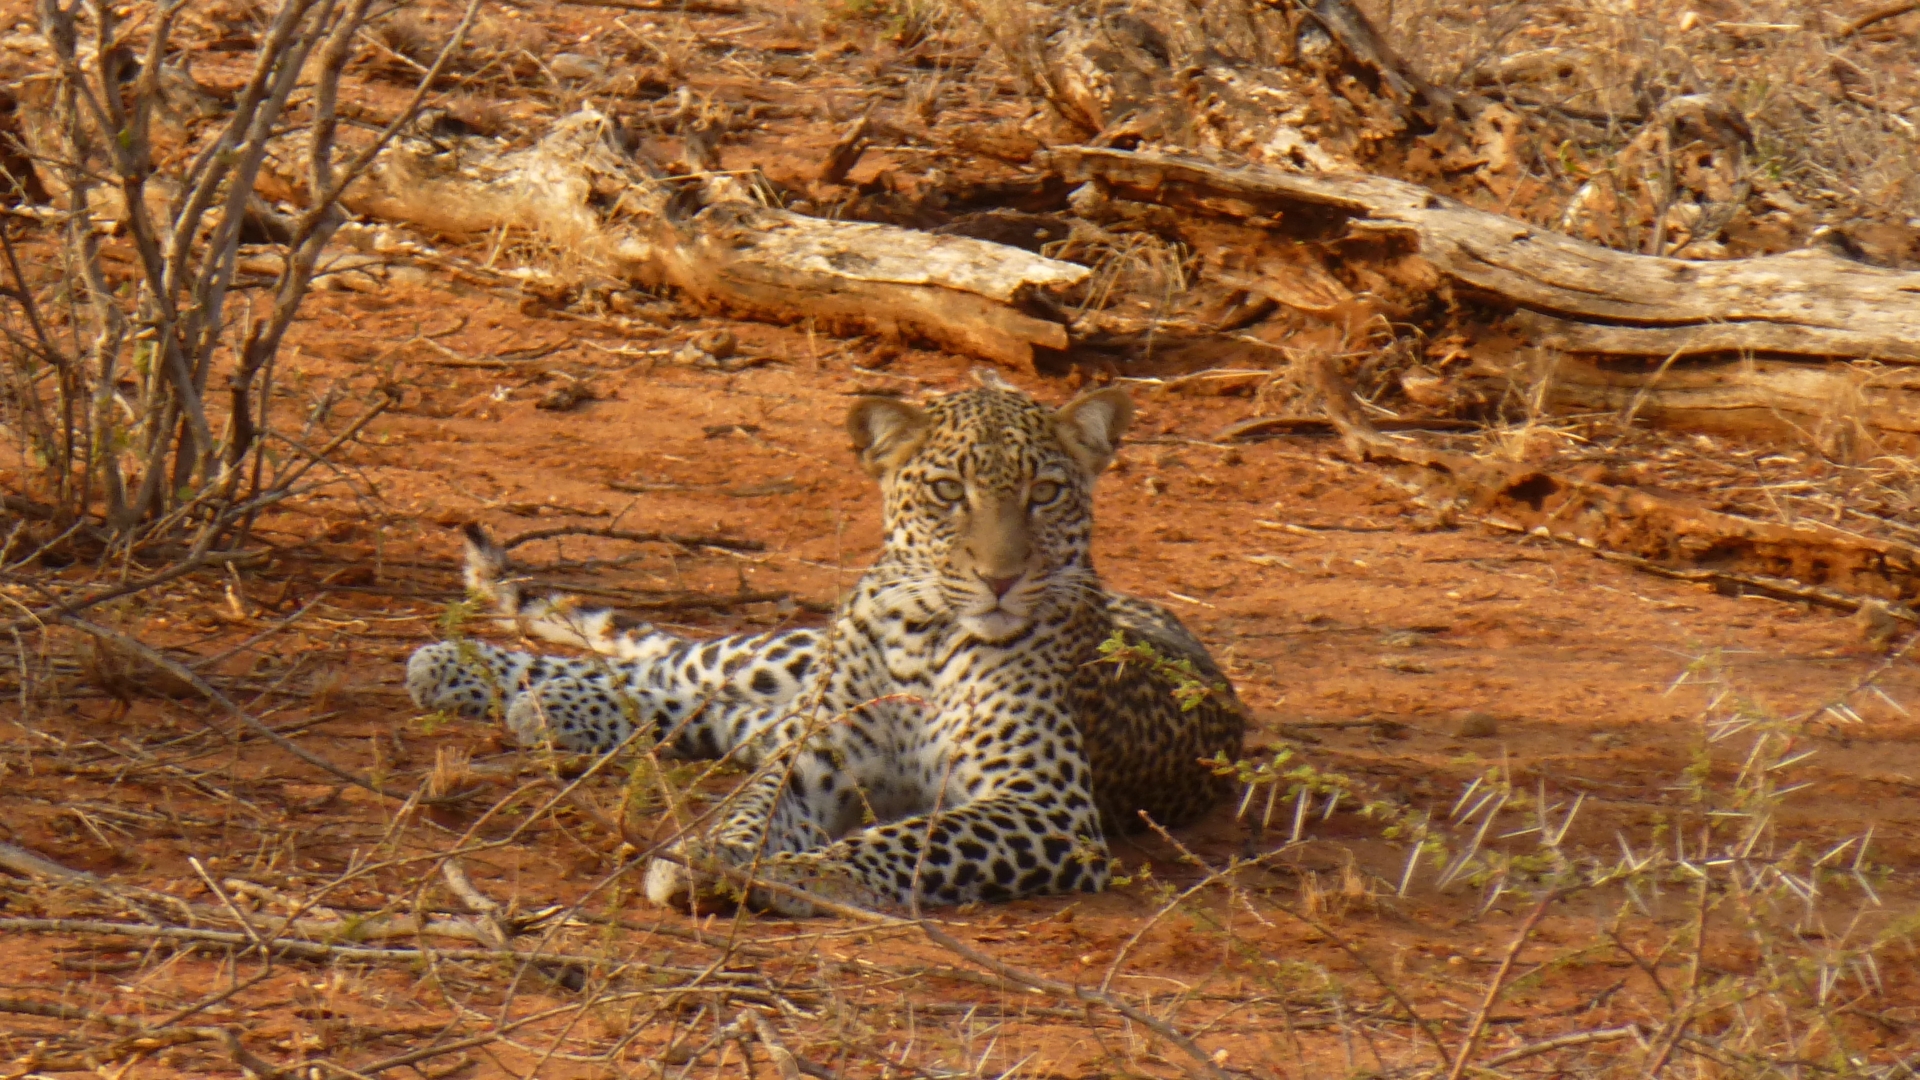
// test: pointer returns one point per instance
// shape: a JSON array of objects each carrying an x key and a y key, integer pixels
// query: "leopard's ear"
[
  {"x": 1090, "y": 426},
  {"x": 886, "y": 431}
]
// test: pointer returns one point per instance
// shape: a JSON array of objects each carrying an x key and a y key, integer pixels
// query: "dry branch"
[
  {"x": 1804, "y": 561},
  {"x": 21, "y": 861},
  {"x": 139, "y": 1043},
  {"x": 1200, "y": 1062},
  {"x": 1878, "y": 15},
  {"x": 99, "y": 125},
  {"x": 299, "y": 948},
  {"x": 690, "y": 542},
  {"x": 713, "y": 240}
]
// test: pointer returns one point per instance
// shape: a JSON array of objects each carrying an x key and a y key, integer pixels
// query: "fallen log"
[
  {"x": 1848, "y": 411},
  {"x": 1806, "y": 561},
  {"x": 712, "y": 240},
  {"x": 1807, "y": 345},
  {"x": 1573, "y": 294}
]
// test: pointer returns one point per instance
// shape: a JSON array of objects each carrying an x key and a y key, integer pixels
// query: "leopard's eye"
[
  {"x": 1043, "y": 493},
  {"x": 949, "y": 491}
]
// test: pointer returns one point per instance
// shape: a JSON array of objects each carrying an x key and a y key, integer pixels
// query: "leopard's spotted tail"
[{"x": 555, "y": 616}]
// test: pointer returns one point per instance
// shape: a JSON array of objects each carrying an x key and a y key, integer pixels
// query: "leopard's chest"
[{"x": 941, "y": 687}]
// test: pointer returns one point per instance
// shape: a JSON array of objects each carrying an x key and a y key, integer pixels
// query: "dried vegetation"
[{"x": 190, "y": 613}]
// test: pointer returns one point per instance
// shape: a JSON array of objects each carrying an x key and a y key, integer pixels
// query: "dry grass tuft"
[{"x": 1336, "y": 894}]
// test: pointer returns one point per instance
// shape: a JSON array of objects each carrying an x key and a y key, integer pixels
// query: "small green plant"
[
  {"x": 1189, "y": 689},
  {"x": 454, "y": 620}
]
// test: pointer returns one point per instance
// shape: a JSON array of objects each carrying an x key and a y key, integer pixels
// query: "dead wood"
[
  {"x": 1261, "y": 427},
  {"x": 1805, "y": 561},
  {"x": 19, "y": 860},
  {"x": 712, "y": 239},
  {"x": 689, "y": 542},
  {"x": 1300, "y": 102},
  {"x": 1878, "y": 15},
  {"x": 846, "y": 152},
  {"x": 327, "y": 929},
  {"x": 1744, "y": 346},
  {"x": 342, "y": 948},
  {"x": 1804, "y": 303},
  {"x": 1847, "y": 411}
]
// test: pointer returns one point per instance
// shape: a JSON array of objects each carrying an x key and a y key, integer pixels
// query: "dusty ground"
[{"x": 1412, "y": 655}]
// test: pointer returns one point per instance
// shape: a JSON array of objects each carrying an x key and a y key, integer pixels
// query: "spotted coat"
[{"x": 951, "y": 736}]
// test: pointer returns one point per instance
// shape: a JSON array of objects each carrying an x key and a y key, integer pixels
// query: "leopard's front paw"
[
  {"x": 574, "y": 714},
  {"x": 819, "y": 874},
  {"x": 672, "y": 884},
  {"x": 452, "y": 676},
  {"x": 669, "y": 883}
]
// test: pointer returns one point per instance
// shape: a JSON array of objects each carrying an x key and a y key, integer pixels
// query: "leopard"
[{"x": 955, "y": 734}]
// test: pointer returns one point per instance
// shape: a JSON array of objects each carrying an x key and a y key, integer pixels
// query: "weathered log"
[
  {"x": 719, "y": 245},
  {"x": 1847, "y": 411},
  {"x": 1805, "y": 561},
  {"x": 1804, "y": 303}
]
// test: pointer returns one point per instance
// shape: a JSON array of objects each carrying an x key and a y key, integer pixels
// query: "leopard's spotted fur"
[{"x": 955, "y": 697}]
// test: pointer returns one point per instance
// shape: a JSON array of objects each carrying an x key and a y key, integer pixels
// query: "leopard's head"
[{"x": 988, "y": 498}]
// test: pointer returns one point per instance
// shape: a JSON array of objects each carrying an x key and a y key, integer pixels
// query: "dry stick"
[
  {"x": 1365, "y": 442},
  {"x": 1120, "y": 956},
  {"x": 785, "y": 1061},
  {"x": 1758, "y": 584},
  {"x": 21, "y": 861},
  {"x": 471, "y": 1042},
  {"x": 1675, "y": 1027},
  {"x": 579, "y": 1014},
  {"x": 320, "y": 950},
  {"x": 1894, "y": 656},
  {"x": 1548, "y": 1046},
  {"x": 275, "y": 628},
  {"x": 232, "y": 909},
  {"x": 461, "y": 845},
  {"x": 1649, "y": 968},
  {"x": 724, "y": 543},
  {"x": 23, "y": 296},
  {"x": 1891, "y": 11},
  {"x": 1498, "y": 984},
  {"x": 846, "y": 151},
  {"x": 211, "y": 1000},
  {"x": 946, "y": 941},
  {"x": 687, "y": 7},
  {"x": 1159, "y": 1027},
  {"x": 141, "y": 1042},
  {"x": 286, "y": 480},
  {"x": 195, "y": 561}
]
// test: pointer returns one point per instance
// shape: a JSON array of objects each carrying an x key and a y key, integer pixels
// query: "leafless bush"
[{"x": 111, "y": 390}]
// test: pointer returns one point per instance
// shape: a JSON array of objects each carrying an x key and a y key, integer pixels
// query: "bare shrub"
[{"x": 111, "y": 389}]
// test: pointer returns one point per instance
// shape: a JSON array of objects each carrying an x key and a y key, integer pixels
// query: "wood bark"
[{"x": 719, "y": 245}]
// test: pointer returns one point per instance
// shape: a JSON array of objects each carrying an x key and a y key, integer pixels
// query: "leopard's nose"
[{"x": 1001, "y": 586}]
